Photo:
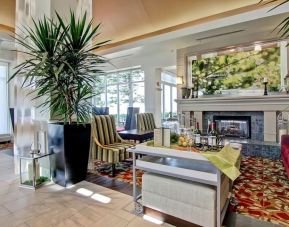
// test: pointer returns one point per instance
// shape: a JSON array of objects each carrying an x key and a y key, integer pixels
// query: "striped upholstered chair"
[
  {"x": 107, "y": 145},
  {"x": 145, "y": 122}
]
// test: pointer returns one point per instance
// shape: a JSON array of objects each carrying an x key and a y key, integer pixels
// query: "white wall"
[{"x": 62, "y": 7}]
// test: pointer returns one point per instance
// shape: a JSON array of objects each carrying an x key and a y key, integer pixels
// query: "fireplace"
[{"x": 233, "y": 126}]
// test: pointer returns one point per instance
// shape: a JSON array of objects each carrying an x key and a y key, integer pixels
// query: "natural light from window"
[
  {"x": 4, "y": 115},
  {"x": 101, "y": 198},
  {"x": 152, "y": 219},
  {"x": 168, "y": 94},
  {"x": 119, "y": 90},
  {"x": 95, "y": 196},
  {"x": 84, "y": 191}
]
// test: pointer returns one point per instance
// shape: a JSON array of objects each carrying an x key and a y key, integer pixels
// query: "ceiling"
[
  {"x": 256, "y": 30},
  {"x": 7, "y": 13},
  {"x": 264, "y": 27},
  {"x": 125, "y": 19}
]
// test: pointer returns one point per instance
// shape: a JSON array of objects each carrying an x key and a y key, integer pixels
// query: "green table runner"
[{"x": 228, "y": 160}]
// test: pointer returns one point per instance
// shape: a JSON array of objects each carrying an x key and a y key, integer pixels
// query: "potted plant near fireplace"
[{"x": 62, "y": 69}]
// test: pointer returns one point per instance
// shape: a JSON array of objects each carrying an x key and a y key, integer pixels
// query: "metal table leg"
[
  {"x": 219, "y": 198},
  {"x": 134, "y": 177}
]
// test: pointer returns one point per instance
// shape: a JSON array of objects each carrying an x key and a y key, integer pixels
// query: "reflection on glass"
[
  {"x": 112, "y": 100},
  {"x": 101, "y": 80},
  {"x": 124, "y": 77},
  {"x": 174, "y": 97},
  {"x": 168, "y": 95},
  {"x": 3, "y": 99},
  {"x": 137, "y": 75},
  {"x": 162, "y": 101},
  {"x": 167, "y": 101},
  {"x": 99, "y": 98},
  {"x": 138, "y": 96},
  {"x": 169, "y": 78},
  {"x": 124, "y": 93},
  {"x": 120, "y": 89},
  {"x": 112, "y": 78}
]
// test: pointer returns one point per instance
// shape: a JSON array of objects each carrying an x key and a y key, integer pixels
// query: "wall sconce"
[
  {"x": 158, "y": 86},
  {"x": 179, "y": 80}
]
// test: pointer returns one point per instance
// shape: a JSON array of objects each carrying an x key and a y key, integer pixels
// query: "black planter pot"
[{"x": 70, "y": 146}]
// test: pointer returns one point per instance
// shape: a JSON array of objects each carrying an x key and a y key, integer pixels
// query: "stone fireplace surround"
[
  {"x": 261, "y": 108},
  {"x": 257, "y": 121}
]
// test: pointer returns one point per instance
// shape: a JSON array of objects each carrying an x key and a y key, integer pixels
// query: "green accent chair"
[
  {"x": 145, "y": 122},
  {"x": 107, "y": 145}
]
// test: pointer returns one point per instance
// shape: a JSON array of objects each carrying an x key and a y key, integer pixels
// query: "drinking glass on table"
[{"x": 190, "y": 139}]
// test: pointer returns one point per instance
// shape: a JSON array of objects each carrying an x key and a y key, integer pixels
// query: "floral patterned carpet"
[
  {"x": 262, "y": 189},
  {"x": 4, "y": 146}
]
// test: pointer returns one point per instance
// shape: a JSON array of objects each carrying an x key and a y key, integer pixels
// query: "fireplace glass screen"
[{"x": 233, "y": 126}]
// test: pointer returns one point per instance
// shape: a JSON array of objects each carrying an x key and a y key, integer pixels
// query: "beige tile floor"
[{"x": 53, "y": 205}]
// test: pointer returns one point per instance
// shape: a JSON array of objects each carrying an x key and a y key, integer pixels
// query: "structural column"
[
  {"x": 152, "y": 92},
  {"x": 284, "y": 61},
  {"x": 270, "y": 126}
]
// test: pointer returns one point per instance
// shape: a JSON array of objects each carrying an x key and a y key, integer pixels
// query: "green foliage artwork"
[{"x": 237, "y": 70}]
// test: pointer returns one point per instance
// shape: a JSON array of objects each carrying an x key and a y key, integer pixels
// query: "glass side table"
[{"x": 34, "y": 169}]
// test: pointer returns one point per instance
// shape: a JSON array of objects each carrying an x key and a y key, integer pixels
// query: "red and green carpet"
[
  {"x": 262, "y": 189},
  {"x": 4, "y": 146}
]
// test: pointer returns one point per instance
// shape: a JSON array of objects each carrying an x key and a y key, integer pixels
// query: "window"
[
  {"x": 168, "y": 95},
  {"x": 120, "y": 89},
  {"x": 4, "y": 113}
]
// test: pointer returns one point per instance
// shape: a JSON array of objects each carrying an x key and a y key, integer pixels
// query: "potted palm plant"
[{"x": 62, "y": 69}]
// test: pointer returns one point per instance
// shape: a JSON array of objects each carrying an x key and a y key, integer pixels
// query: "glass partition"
[{"x": 4, "y": 105}]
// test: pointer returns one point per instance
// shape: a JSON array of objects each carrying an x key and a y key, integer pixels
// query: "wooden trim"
[
  {"x": 189, "y": 24},
  {"x": 4, "y": 27},
  {"x": 167, "y": 218}
]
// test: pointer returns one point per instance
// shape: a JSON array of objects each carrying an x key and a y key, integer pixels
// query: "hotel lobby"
[{"x": 144, "y": 113}]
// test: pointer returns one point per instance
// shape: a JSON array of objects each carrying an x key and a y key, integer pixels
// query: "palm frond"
[{"x": 61, "y": 66}]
